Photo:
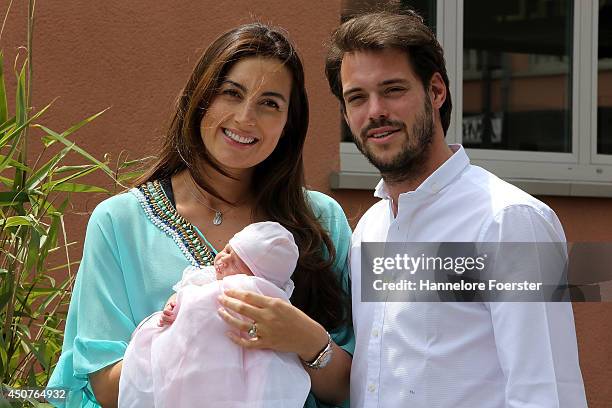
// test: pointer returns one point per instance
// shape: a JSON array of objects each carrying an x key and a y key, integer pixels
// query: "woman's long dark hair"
[{"x": 278, "y": 182}]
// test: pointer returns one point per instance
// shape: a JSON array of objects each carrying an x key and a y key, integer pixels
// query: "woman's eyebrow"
[
  {"x": 244, "y": 89},
  {"x": 275, "y": 94},
  {"x": 236, "y": 84}
]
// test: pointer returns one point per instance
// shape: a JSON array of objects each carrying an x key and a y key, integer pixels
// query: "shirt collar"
[{"x": 440, "y": 178}]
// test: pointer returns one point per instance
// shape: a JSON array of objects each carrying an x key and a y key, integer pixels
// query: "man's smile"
[{"x": 381, "y": 132}]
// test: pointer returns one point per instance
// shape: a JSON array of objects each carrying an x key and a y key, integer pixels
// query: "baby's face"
[{"x": 227, "y": 263}]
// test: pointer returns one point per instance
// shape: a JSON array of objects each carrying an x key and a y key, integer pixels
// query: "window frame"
[{"x": 582, "y": 172}]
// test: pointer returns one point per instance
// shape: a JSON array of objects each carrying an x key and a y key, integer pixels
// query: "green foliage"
[{"x": 36, "y": 270}]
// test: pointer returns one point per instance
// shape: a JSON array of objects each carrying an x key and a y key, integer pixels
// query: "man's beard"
[{"x": 410, "y": 160}]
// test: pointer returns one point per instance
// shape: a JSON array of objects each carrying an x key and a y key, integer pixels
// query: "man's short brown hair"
[{"x": 384, "y": 30}]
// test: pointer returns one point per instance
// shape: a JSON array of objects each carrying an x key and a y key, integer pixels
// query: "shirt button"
[
  {"x": 374, "y": 333},
  {"x": 372, "y": 387}
]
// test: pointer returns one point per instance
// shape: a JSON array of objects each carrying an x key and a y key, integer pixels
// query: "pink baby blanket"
[{"x": 192, "y": 363}]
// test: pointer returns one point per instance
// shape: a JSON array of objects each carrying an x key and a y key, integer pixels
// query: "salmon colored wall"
[
  {"x": 546, "y": 92},
  {"x": 135, "y": 56}
]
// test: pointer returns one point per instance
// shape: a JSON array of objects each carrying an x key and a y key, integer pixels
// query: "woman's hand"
[
  {"x": 280, "y": 326},
  {"x": 283, "y": 327}
]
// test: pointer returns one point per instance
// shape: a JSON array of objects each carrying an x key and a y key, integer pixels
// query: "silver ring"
[{"x": 252, "y": 333}]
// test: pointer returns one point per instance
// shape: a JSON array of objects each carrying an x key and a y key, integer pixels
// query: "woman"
[{"x": 232, "y": 156}]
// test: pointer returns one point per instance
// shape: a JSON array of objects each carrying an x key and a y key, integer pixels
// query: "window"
[
  {"x": 517, "y": 75},
  {"x": 532, "y": 92},
  {"x": 604, "y": 78}
]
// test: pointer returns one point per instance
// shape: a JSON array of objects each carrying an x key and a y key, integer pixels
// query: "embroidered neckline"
[{"x": 163, "y": 215}]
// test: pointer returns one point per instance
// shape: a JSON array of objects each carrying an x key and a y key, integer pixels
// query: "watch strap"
[{"x": 323, "y": 358}]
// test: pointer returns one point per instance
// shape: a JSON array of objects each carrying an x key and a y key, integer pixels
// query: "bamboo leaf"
[
  {"x": 60, "y": 248},
  {"x": 104, "y": 167},
  {"x": 8, "y": 123},
  {"x": 131, "y": 163},
  {"x": 6, "y": 181},
  {"x": 50, "y": 279},
  {"x": 41, "y": 354},
  {"x": 49, "y": 139},
  {"x": 12, "y": 197},
  {"x": 24, "y": 312},
  {"x": 12, "y": 151},
  {"x": 18, "y": 180},
  {"x": 48, "y": 208},
  {"x": 82, "y": 123},
  {"x": 48, "y": 242},
  {"x": 64, "y": 169},
  {"x": 50, "y": 133},
  {"x": 17, "y": 128},
  {"x": 78, "y": 188},
  {"x": 50, "y": 186},
  {"x": 129, "y": 176},
  {"x": 15, "y": 136},
  {"x": 48, "y": 300},
  {"x": 33, "y": 246},
  {"x": 43, "y": 172},
  {"x": 8, "y": 133},
  {"x": 3, "y": 355},
  {"x": 24, "y": 332},
  {"x": 22, "y": 220},
  {"x": 38, "y": 291},
  {"x": 31, "y": 382},
  {"x": 21, "y": 108},
  {"x": 4, "y": 298},
  {"x": 16, "y": 221},
  {"x": 54, "y": 330},
  {"x": 39, "y": 349},
  {"x": 14, "y": 163},
  {"x": 38, "y": 226},
  {"x": 64, "y": 266}
]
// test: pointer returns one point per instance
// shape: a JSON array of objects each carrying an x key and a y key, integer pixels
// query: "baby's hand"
[{"x": 168, "y": 314}]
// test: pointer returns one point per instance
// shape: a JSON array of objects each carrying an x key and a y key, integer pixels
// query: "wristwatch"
[{"x": 323, "y": 358}]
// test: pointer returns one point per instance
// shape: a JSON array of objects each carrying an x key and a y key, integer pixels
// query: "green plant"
[{"x": 36, "y": 270}]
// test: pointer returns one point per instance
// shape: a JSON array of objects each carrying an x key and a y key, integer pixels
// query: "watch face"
[{"x": 325, "y": 358}]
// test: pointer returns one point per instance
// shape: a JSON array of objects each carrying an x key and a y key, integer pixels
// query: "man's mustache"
[{"x": 377, "y": 123}]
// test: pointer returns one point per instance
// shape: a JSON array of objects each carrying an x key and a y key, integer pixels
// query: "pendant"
[{"x": 218, "y": 218}]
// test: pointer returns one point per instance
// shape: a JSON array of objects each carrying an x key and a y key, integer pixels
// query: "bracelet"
[{"x": 323, "y": 358}]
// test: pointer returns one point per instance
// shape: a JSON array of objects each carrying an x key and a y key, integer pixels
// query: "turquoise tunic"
[{"x": 131, "y": 259}]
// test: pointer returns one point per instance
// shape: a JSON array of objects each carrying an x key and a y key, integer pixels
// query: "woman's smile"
[{"x": 239, "y": 138}]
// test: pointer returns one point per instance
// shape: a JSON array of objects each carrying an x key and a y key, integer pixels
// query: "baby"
[
  {"x": 273, "y": 258},
  {"x": 185, "y": 359}
]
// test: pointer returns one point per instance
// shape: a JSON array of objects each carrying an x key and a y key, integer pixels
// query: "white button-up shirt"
[{"x": 462, "y": 355}]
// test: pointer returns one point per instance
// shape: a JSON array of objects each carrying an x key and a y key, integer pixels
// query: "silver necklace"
[{"x": 218, "y": 218}]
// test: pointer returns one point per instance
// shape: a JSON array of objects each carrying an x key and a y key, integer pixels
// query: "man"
[{"x": 389, "y": 74}]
